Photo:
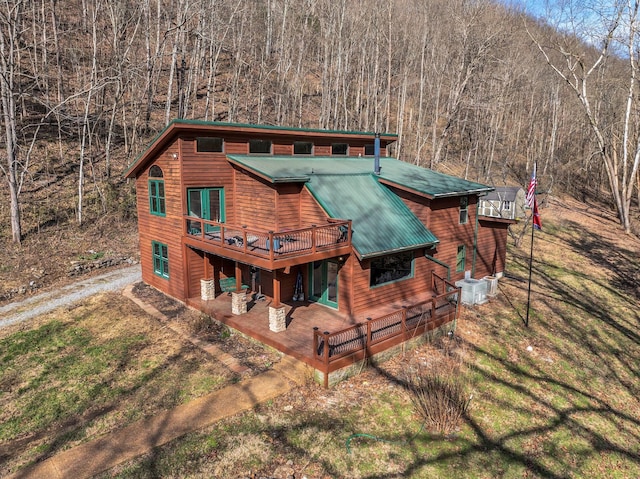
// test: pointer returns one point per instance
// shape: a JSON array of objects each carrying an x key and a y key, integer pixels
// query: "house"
[
  {"x": 318, "y": 223},
  {"x": 505, "y": 202}
]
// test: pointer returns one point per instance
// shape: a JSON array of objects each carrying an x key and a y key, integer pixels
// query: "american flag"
[
  {"x": 532, "y": 202},
  {"x": 531, "y": 190}
]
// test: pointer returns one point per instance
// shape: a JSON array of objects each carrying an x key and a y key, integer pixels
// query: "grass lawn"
[
  {"x": 558, "y": 399},
  {"x": 81, "y": 372}
]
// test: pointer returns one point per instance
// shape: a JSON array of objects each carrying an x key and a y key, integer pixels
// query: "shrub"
[{"x": 438, "y": 393}]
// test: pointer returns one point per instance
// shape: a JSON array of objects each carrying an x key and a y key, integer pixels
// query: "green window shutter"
[{"x": 460, "y": 258}]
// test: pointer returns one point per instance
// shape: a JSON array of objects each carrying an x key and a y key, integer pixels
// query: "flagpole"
[{"x": 533, "y": 228}]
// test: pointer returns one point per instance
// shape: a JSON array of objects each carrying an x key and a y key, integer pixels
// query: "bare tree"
[
  {"x": 9, "y": 45},
  {"x": 582, "y": 69}
]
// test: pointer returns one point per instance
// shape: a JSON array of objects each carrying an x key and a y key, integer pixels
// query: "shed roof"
[
  {"x": 348, "y": 188},
  {"x": 504, "y": 193},
  {"x": 394, "y": 172},
  {"x": 198, "y": 127}
]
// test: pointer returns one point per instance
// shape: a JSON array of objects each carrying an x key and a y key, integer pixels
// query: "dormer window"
[
  {"x": 260, "y": 146},
  {"x": 156, "y": 191}
]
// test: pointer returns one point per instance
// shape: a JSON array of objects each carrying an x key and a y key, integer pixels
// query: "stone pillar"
[
  {"x": 207, "y": 289},
  {"x": 277, "y": 319},
  {"x": 238, "y": 302}
]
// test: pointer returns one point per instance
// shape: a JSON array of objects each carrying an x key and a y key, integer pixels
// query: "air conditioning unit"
[
  {"x": 492, "y": 285},
  {"x": 473, "y": 291}
]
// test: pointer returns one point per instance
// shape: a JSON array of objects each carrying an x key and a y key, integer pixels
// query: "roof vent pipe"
[{"x": 376, "y": 154}]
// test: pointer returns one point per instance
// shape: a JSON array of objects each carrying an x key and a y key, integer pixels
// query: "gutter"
[{"x": 475, "y": 240}]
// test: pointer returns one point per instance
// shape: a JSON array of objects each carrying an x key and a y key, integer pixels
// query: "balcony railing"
[
  {"x": 333, "y": 350},
  {"x": 270, "y": 244}
]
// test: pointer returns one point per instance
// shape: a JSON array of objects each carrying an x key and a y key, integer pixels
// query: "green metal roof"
[
  {"x": 301, "y": 168},
  {"x": 348, "y": 188},
  {"x": 182, "y": 125},
  {"x": 382, "y": 223},
  {"x": 272, "y": 127}
]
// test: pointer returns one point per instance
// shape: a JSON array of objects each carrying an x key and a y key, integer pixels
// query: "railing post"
[
  {"x": 313, "y": 238},
  {"x": 315, "y": 341},
  {"x": 270, "y": 245},
  {"x": 326, "y": 359},
  {"x": 368, "y": 332},
  {"x": 433, "y": 309},
  {"x": 404, "y": 323},
  {"x": 244, "y": 238}
]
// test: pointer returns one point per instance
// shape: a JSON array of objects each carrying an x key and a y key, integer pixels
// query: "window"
[
  {"x": 460, "y": 258},
  {"x": 160, "y": 259},
  {"x": 156, "y": 191},
  {"x": 206, "y": 203},
  {"x": 339, "y": 148},
  {"x": 464, "y": 210},
  {"x": 260, "y": 146},
  {"x": 302, "y": 148},
  {"x": 391, "y": 268},
  {"x": 369, "y": 150},
  {"x": 209, "y": 145},
  {"x": 506, "y": 205}
]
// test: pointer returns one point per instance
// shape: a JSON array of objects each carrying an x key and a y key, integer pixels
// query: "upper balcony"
[{"x": 269, "y": 250}]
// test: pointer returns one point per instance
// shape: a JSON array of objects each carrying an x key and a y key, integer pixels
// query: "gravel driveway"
[{"x": 45, "y": 302}]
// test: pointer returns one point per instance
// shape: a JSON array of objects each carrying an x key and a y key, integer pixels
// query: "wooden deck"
[
  {"x": 302, "y": 318},
  {"x": 268, "y": 249}
]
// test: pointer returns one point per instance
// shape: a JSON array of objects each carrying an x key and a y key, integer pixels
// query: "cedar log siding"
[
  {"x": 163, "y": 229},
  {"x": 445, "y": 225},
  {"x": 364, "y": 296},
  {"x": 255, "y": 201},
  {"x": 492, "y": 247},
  {"x": 310, "y": 211},
  {"x": 287, "y": 211},
  {"x": 196, "y": 270},
  {"x": 442, "y": 217}
]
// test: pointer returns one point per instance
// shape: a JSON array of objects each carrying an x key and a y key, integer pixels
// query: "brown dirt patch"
[{"x": 249, "y": 353}]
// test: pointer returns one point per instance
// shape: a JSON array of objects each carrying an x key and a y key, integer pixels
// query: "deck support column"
[
  {"x": 276, "y": 289},
  {"x": 207, "y": 289},
  {"x": 277, "y": 319},
  {"x": 238, "y": 302},
  {"x": 238, "y": 273},
  {"x": 207, "y": 284}
]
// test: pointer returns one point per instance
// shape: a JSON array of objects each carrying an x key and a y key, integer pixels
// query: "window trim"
[
  {"x": 464, "y": 208},
  {"x": 262, "y": 141},
  {"x": 303, "y": 143},
  {"x": 199, "y": 138},
  {"x": 411, "y": 274},
  {"x": 160, "y": 262},
  {"x": 346, "y": 153},
  {"x": 205, "y": 191},
  {"x": 370, "y": 149},
  {"x": 155, "y": 183}
]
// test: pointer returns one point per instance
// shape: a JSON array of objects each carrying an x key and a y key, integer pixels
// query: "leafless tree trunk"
[
  {"x": 9, "y": 44},
  {"x": 620, "y": 153}
]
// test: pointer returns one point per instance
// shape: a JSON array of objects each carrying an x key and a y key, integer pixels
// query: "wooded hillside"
[{"x": 87, "y": 83}]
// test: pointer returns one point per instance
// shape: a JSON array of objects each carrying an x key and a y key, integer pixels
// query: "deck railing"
[
  {"x": 335, "y": 350},
  {"x": 270, "y": 244}
]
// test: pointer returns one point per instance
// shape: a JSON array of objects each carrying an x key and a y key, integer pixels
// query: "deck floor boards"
[{"x": 302, "y": 317}]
